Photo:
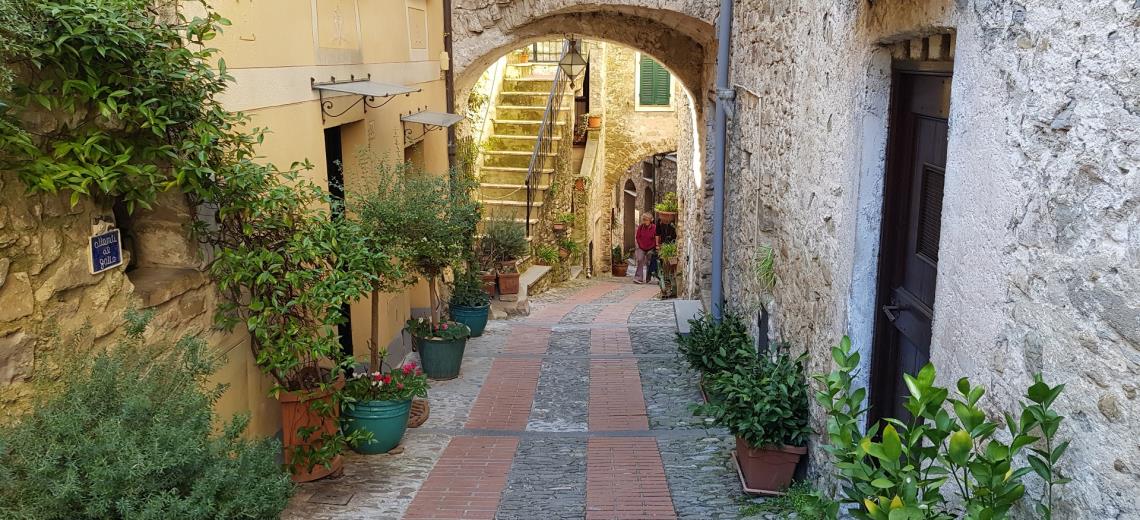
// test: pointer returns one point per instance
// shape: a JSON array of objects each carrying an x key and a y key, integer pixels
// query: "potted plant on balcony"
[
  {"x": 568, "y": 248},
  {"x": 764, "y": 403},
  {"x": 618, "y": 264},
  {"x": 593, "y": 121},
  {"x": 469, "y": 304},
  {"x": 563, "y": 222},
  {"x": 268, "y": 217},
  {"x": 376, "y": 406},
  {"x": 667, "y": 208}
]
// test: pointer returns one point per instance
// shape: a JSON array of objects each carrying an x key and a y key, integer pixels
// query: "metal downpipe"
[{"x": 724, "y": 96}]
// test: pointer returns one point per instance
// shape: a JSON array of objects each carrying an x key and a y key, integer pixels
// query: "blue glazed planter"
[
  {"x": 386, "y": 420},
  {"x": 474, "y": 317},
  {"x": 441, "y": 358}
]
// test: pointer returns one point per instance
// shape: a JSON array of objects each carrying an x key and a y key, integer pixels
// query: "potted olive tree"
[
  {"x": 431, "y": 219},
  {"x": 764, "y": 403},
  {"x": 469, "y": 304}
]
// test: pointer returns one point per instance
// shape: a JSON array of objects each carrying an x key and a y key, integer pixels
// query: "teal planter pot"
[
  {"x": 441, "y": 358},
  {"x": 385, "y": 420},
  {"x": 474, "y": 317}
]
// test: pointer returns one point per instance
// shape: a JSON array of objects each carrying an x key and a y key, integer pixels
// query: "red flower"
[
  {"x": 444, "y": 326},
  {"x": 376, "y": 376},
  {"x": 408, "y": 368},
  {"x": 387, "y": 379}
]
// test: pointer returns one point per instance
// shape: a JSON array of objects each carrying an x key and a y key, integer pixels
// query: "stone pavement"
[{"x": 580, "y": 411}]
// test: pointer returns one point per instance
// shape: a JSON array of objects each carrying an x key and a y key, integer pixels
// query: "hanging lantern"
[{"x": 572, "y": 63}]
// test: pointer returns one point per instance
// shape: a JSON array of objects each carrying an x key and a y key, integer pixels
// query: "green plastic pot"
[
  {"x": 474, "y": 317},
  {"x": 385, "y": 420},
  {"x": 441, "y": 358}
]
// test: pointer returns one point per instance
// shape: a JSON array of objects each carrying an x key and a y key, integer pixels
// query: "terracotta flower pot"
[
  {"x": 558, "y": 226},
  {"x": 297, "y": 414},
  {"x": 667, "y": 216},
  {"x": 769, "y": 468},
  {"x": 488, "y": 279},
  {"x": 508, "y": 283},
  {"x": 619, "y": 269},
  {"x": 594, "y": 122}
]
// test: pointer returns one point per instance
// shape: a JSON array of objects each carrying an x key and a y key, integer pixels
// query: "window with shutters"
[{"x": 654, "y": 84}]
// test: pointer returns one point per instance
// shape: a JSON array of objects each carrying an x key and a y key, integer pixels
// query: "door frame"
[{"x": 897, "y": 169}]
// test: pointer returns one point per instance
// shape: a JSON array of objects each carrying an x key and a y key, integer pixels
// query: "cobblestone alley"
[{"x": 581, "y": 410}]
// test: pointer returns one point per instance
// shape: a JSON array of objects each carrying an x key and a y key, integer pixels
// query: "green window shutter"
[{"x": 654, "y": 87}]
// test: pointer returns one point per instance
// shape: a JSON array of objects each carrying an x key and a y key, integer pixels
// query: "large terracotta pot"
[
  {"x": 769, "y": 468},
  {"x": 619, "y": 269},
  {"x": 667, "y": 216},
  {"x": 594, "y": 122},
  {"x": 297, "y": 414},
  {"x": 489, "y": 278},
  {"x": 508, "y": 283}
]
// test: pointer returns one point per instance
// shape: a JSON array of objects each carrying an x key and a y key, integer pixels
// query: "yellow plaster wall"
[{"x": 276, "y": 40}]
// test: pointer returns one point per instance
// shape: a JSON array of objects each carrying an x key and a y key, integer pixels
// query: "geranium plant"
[
  {"x": 445, "y": 330},
  {"x": 398, "y": 384}
]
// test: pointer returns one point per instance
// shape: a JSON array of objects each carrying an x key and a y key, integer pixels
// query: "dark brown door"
[{"x": 912, "y": 216}]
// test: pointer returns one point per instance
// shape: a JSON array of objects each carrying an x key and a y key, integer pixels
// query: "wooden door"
[{"x": 912, "y": 216}]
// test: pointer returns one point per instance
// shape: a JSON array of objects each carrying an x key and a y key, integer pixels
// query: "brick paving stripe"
[
  {"x": 467, "y": 482},
  {"x": 505, "y": 401},
  {"x": 625, "y": 480},
  {"x": 525, "y": 339},
  {"x": 616, "y": 402},
  {"x": 619, "y": 312},
  {"x": 610, "y": 341}
]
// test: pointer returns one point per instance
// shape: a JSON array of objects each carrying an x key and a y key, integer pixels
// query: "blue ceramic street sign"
[{"x": 106, "y": 251}]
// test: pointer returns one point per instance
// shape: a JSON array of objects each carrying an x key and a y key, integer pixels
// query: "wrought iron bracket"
[
  {"x": 327, "y": 104},
  {"x": 425, "y": 127}
]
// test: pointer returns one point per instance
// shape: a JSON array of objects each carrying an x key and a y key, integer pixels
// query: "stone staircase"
[{"x": 518, "y": 107}]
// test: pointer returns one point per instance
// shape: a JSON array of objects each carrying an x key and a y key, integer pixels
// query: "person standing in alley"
[{"x": 646, "y": 240}]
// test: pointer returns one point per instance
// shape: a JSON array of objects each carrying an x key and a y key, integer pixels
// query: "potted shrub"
[
  {"x": 546, "y": 254},
  {"x": 667, "y": 208},
  {"x": 507, "y": 239},
  {"x": 564, "y": 221},
  {"x": 668, "y": 254},
  {"x": 764, "y": 403},
  {"x": 376, "y": 406},
  {"x": 441, "y": 346},
  {"x": 271, "y": 217},
  {"x": 469, "y": 304},
  {"x": 524, "y": 55},
  {"x": 618, "y": 264},
  {"x": 568, "y": 248},
  {"x": 713, "y": 347},
  {"x": 593, "y": 121}
]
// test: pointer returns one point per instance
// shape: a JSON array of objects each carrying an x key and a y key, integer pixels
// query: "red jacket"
[{"x": 646, "y": 237}]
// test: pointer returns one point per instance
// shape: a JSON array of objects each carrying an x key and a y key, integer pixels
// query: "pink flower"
[
  {"x": 444, "y": 326},
  {"x": 400, "y": 386},
  {"x": 376, "y": 376},
  {"x": 408, "y": 368}
]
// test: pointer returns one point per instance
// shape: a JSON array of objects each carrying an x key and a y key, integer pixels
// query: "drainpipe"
[
  {"x": 724, "y": 96},
  {"x": 449, "y": 81}
]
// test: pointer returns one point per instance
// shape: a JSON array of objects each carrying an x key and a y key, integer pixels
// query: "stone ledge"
[{"x": 158, "y": 285}]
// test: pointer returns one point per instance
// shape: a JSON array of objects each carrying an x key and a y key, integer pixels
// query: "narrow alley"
[{"x": 581, "y": 410}]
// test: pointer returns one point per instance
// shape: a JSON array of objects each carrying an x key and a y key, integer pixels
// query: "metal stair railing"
[{"x": 543, "y": 144}]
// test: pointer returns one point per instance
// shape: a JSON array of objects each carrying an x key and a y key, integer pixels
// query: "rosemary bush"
[{"x": 129, "y": 433}]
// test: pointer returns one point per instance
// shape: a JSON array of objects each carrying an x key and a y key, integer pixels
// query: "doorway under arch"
[{"x": 629, "y": 214}]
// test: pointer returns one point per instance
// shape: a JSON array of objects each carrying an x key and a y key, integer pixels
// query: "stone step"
[
  {"x": 510, "y": 192},
  {"x": 517, "y": 159},
  {"x": 511, "y": 175},
  {"x": 530, "y": 99},
  {"x": 511, "y": 209},
  {"x": 519, "y": 112},
  {"x": 685, "y": 310},
  {"x": 516, "y": 142},
  {"x": 531, "y": 84},
  {"x": 519, "y": 127}
]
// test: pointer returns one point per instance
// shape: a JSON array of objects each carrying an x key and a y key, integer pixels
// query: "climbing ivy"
[{"x": 112, "y": 98}]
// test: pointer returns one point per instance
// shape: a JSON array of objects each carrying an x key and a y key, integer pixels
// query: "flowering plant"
[
  {"x": 446, "y": 330},
  {"x": 398, "y": 384}
]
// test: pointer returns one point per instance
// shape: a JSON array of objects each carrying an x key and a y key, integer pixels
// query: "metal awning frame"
[
  {"x": 327, "y": 104},
  {"x": 427, "y": 127}
]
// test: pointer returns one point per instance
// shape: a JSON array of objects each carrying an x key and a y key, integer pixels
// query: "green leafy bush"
[
  {"x": 566, "y": 218},
  {"x": 130, "y": 89},
  {"x": 668, "y": 251},
  {"x": 467, "y": 290},
  {"x": 800, "y": 499},
  {"x": 668, "y": 203},
  {"x": 505, "y": 238},
  {"x": 763, "y": 401},
  {"x": 617, "y": 256},
  {"x": 546, "y": 254},
  {"x": 713, "y": 347},
  {"x": 896, "y": 469},
  {"x": 129, "y": 433}
]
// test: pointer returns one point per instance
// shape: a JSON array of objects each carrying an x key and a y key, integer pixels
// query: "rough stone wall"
[
  {"x": 46, "y": 288},
  {"x": 1040, "y": 212}
]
